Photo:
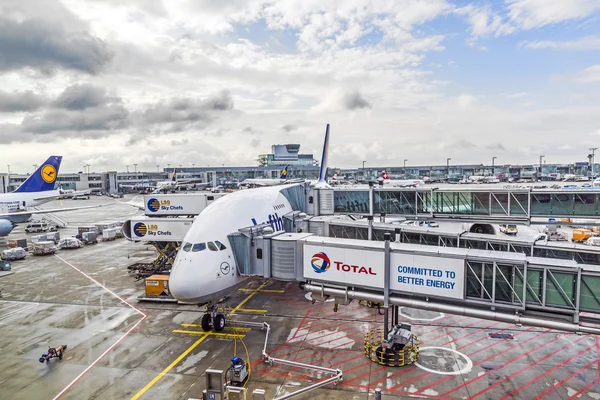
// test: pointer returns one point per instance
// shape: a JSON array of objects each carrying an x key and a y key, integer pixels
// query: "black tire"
[
  {"x": 219, "y": 322},
  {"x": 60, "y": 354},
  {"x": 42, "y": 360},
  {"x": 206, "y": 322}
]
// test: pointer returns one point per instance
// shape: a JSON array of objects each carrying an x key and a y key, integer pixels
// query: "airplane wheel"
[
  {"x": 206, "y": 322},
  {"x": 219, "y": 322}
]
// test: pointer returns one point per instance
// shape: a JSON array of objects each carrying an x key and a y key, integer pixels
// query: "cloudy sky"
[{"x": 110, "y": 83}]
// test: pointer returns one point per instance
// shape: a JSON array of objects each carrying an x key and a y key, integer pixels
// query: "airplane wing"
[{"x": 40, "y": 211}]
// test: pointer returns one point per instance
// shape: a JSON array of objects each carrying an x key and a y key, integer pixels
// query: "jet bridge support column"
[{"x": 386, "y": 286}]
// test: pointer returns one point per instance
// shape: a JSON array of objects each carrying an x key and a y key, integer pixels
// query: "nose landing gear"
[{"x": 213, "y": 318}]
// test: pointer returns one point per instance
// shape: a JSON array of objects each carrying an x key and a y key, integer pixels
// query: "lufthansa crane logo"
[
  {"x": 153, "y": 205},
  {"x": 48, "y": 173},
  {"x": 225, "y": 268},
  {"x": 140, "y": 229},
  {"x": 320, "y": 262}
]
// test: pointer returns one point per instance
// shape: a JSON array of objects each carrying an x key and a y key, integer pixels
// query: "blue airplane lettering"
[{"x": 274, "y": 220}]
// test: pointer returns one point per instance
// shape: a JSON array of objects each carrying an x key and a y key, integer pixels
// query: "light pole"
[
  {"x": 493, "y": 171},
  {"x": 88, "y": 167},
  {"x": 540, "y": 176},
  {"x": 448, "y": 167},
  {"x": 35, "y": 167},
  {"x": 157, "y": 168},
  {"x": 593, "y": 150},
  {"x": 405, "y": 160},
  {"x": 135, "y": 168},
  {"x": 8, "y": 184},
  {"x": 127, "y": 166}
]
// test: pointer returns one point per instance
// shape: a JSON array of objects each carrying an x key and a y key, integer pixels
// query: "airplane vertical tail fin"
[
  {"x": 323, "y": 172},
  {"x": 174, "y": 178},
  {"x": 284, "y": 173},
  {"x": 385, "y": 176},
  {"x": 43, "y": 178}
]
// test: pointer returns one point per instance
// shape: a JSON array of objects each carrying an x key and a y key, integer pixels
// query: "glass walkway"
[{"x": 465, "y": 203}]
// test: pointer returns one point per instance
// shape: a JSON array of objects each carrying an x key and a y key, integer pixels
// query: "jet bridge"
[
  {"x": 489, "y": 204},
  {"x": 495, "y": 285}
]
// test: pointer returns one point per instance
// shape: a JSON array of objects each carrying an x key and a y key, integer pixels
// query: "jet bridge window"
[
  {"x": 220, "y": 245},
  {"x": 212, "y": 246},
  {"x": 187, "y": 246},
  {"x": 199, "y": 247}
]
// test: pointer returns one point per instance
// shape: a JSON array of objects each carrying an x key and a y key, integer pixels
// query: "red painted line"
[
  {"x": 408, "y": 394},
  {"x": 366, "y": 374},
  {"x": 300, "y": 326},
  {"x": 85, "y": 371},
  {"x": 472, "y": 333},
  {"x": 589, "y": 385},
  {"x": 453, "y": 328},
  {"x": 525, "y": 368},
  {"x": 564, "y": 380},
  {"x": 546, "y": 373},
  {"x": 508, "y": 362},
  {"x": 479, "y": 363},
  {"x": 486, "y": 336},
  {"x": 598, "y": 355},
  {"x": 495, "y": 343}
]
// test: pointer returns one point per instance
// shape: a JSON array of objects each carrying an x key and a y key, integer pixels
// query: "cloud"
[
  {"x": 588, "y": 75},
  {"x": 180, "y": 142},
  {"x": 255, "y": 143},
  {"x": 82, "y": 96},
  {"x": 289, "y": 127},
  {"x": 496, "y": 146},
  {"x": 182, "y": 112},
  {"x": 518, "y": 95},
  {"x": 530, "y": 14},
  {"x": 21, "y": 101},
  {"x": 45, "y": 46},
  {"x": 89, "y": 122},
  {"x": 584, "y": 43},
  {"x": 354, "y": 101}
]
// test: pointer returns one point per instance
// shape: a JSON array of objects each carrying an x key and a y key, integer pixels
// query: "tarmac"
[{"x": 120, "y": 348}]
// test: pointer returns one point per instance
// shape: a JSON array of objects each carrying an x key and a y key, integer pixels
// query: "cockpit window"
[
  {"x": 212, "y": 246},
  {"x": 199, "y": 247},
  {"x": 187, "y": 246},
  {"x": 220, "y": 245}
]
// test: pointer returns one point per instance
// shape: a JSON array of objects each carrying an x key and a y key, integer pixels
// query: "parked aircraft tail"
[
  {"x": 43, "y": 178},
  {"x": 323, "y": 172}
]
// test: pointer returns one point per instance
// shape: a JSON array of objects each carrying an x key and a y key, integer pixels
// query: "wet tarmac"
[{"x": 119, "y": 348}]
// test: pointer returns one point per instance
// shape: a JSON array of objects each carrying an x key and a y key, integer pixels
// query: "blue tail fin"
[
  {"x": 284, "y": 173},
  {"x": 323, "y": 172},
  {"x": 43, "y": 178}
]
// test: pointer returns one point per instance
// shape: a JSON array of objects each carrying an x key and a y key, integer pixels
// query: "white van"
[
  {"x": 37, "y": 227},
  {"x": 593, "y": 241}
]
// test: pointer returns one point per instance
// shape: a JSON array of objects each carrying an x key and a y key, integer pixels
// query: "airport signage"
[
  {"x": 160, "y": 229},
  {"x": 427, "y": 275},
  {"x": 362, "y": 267},
  {"x": 178, "y": 204}
]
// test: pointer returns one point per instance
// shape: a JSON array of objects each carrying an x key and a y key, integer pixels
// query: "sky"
[{"x": 181, "y": 82}]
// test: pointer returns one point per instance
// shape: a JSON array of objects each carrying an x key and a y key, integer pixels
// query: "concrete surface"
[{"x": 49, "y": 301}]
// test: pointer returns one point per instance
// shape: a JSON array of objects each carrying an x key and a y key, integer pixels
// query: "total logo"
[{"x": 320, "y": 263}]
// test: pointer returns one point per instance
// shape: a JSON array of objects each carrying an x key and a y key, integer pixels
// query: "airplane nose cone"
[{"x": 180, "y": 285}]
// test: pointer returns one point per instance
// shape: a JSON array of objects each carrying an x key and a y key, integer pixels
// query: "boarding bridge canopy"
[
  {"x": 348, "y": 229},
  {"x": 463, "y": 203}
]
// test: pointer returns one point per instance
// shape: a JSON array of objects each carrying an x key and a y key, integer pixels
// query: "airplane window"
[
  {"x": 199, "y": 247},
  {"x": 220, "y": 245},
  {"x": 187, "y": 247},
  {"x": 212, "y": 246}
]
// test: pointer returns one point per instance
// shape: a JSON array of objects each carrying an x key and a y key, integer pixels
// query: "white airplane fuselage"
[
  {"x": 205, "y": 275},
  {"x": 13, "y": 202},
  {"x": 402, "y": 182}
]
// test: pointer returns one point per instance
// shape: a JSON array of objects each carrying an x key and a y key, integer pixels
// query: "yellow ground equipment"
[
  {"x": 401, "y": 347},
  {"x": 157, "y": 286},
  {"x": 581, "y": 235}
]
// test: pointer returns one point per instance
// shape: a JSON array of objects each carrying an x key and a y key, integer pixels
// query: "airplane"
[
  {"x": 205, "y": 268},
  {"x": 168, "y": 186},
  {"x": 37, "y": 189},
  {"x": 260, "y": 182},
  {"x": 385, "y": 180},
  {"x": 70, "y": 193}
]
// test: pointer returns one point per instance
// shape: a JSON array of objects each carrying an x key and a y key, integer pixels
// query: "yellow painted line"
[
  {"x": 226, "y": 328},
  {"x": 174, "y": 363},
  {"x": 217, "y": 334},
  {"x": 264, "y": 290},
  {"x": 250, "y": 296},
  {"x": 250, "y": 310}
]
